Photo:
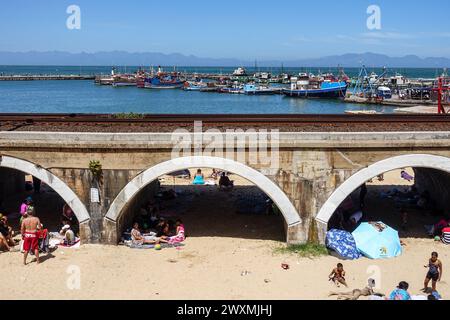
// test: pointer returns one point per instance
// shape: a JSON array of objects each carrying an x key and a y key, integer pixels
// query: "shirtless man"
[{"x": 29, "y": 229}]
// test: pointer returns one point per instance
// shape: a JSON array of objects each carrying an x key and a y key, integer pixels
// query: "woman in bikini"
[{"x": 434, "y": 272}]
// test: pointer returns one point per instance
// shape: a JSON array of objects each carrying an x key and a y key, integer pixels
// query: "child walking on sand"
[
  {"x": 337, "y": 275},
  {"x": 434, "y": 272}
]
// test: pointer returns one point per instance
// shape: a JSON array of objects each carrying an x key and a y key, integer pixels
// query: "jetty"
[{"x": 45, "y": 77}]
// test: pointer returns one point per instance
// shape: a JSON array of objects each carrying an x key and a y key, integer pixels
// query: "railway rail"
[{"x": 165, "y": 122}]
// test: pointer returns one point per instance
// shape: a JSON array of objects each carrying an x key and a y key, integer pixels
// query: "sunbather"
[
  {"x": 357, "y": 293},
  {"x": 140, "y": 239},
  {"x": 199, "y": 178}
]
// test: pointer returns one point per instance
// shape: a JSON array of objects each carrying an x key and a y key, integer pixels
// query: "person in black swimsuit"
[{"x": 434, "y": 272}]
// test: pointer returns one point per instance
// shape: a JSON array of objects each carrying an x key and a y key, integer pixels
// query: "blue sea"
[{"x": 85, "y": 97}]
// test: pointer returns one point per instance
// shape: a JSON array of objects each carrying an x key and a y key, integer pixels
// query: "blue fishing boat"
[
  {"x": 194, "y": 86},
  {"x": 164, "y": 80},
  {"x": 252, "y": 89},
  {"x": 303, "y": 88}
]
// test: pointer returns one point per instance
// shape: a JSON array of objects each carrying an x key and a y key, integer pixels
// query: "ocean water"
[
  {"x": 83, "y": 96},
  {"x": 94, "y": 70},
  {"x": 86, "y": 97}
]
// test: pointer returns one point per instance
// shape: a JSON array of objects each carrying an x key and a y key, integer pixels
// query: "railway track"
[
  {"x": 164, "y": 122},
  {"x": 222, "y": 118}
]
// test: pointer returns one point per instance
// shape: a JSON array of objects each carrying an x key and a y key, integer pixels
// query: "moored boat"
[
  {"x": 252, "y": 89},
  {"x": 328, "y": 90},
  {"x": 194, "y": 86},
  {"x": 163, "y": 81},
  {"x": 124, "y": 81}
]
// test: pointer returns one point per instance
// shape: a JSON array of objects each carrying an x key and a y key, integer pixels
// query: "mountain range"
[{"x": 123, "y": 58}]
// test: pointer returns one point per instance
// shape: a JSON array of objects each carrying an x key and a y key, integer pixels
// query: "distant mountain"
[{"x": 122, "y": 58}]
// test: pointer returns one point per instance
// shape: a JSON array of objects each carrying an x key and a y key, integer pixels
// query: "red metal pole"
[{"x": 440, "y": 107}]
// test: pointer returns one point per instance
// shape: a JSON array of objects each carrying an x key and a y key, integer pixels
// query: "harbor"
[{"x": 367, "y": 88}]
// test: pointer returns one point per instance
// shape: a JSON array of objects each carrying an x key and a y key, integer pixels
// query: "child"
[
  {"x": 337, "y": 275},
  {"x": 178, "y": 237},
  {"x": 434, "y": 272}
]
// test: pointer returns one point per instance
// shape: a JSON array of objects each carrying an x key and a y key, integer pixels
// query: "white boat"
[{"x": 240, "y": 72}]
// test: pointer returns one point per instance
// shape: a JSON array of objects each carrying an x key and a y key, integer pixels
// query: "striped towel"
[{"x": 446, "y": 235}]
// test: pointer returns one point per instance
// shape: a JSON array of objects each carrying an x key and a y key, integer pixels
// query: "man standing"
[{"x": 29, "y": 229}]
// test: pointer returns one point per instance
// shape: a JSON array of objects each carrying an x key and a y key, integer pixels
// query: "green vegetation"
[
  {"x": 129, "y": 115},
  {"x": 309, "y": 250},
  {"x": 96, "y": 169}
]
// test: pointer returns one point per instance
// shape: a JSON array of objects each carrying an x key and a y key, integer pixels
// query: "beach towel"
[
  {"x": 76, "y": 244},
  {"x": 151, "y": 246},
  {"x": 406, "y": 176}
]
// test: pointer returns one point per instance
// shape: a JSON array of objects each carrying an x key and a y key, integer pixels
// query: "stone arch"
[
  {"x": 144, "y": 178},
  {"x": 383, "y": 166},
  {"x": 51, "y": 180}
]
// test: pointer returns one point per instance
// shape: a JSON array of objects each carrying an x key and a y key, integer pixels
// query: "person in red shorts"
[{"x": 30, "y": 235}]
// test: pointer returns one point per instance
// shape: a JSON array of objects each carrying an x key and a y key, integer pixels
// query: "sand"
[{"x": 226, "y": 256}]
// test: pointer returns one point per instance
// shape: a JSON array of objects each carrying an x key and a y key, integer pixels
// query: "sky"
[{"x": 243, "y": 29}]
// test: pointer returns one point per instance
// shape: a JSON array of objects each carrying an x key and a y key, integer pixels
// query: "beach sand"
[{"x": 226, "y": 256}]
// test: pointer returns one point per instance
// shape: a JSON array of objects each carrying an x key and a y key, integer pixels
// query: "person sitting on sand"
[
  {"x": 178, "y": 237},
  {"x": 401, "y": 292},
  {"x": 357, "y": 293},
  {"x": 337, "y": 275},
  {"x": 163, "y": 228},
  {"x": 6, "y": 231},
  {"x": 434, "y": 272},
  {"x": 68, "y": 236},
  {"x": 214, "y": 174},
  {"x": 199, "y": 178},
  {"x": 139, "y": 239},
  {"x": 225, "y": 182}
]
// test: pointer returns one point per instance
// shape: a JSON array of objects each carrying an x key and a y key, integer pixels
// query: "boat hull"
[{"x": 331, "y": 93}]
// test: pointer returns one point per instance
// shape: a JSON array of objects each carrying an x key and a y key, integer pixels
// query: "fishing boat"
[
  {"x": 252, "y": 89},
  {"x": 194, "y": 85},
  {"x": 164, "y": 81},
  {"x": 124, "y": 80},
  {"x": 240, "y": 72},
  {"x": 302, "y": 87}
]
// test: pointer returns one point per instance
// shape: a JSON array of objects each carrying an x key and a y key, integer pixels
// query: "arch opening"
[
  {"x": 52, "y": 184},
  {"x": 257, "y": 179},
  {"x": 407, "y": 192}
]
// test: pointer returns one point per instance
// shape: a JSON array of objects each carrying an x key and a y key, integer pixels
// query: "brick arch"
[
  {"x": 143, "y": 179},
  {"x": 51, "y": 180},
  {"x": 356, "y": 180}
]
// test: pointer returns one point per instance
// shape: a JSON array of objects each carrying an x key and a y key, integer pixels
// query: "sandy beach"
[{"x": 228, "y": 254}]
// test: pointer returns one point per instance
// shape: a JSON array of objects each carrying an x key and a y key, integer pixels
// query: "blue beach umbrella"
[
  {"x": 375, "y": 244},
  {"x": 343, "y": 244}
]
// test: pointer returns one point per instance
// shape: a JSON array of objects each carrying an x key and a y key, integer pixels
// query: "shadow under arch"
[
  {"x": 52, "y": 181},
  {"x": 356, "y": 180},
  {"x": 261, "y": 181}
]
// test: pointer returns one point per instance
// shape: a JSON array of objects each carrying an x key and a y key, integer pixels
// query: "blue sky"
[{"x": 284, "y": 29}]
